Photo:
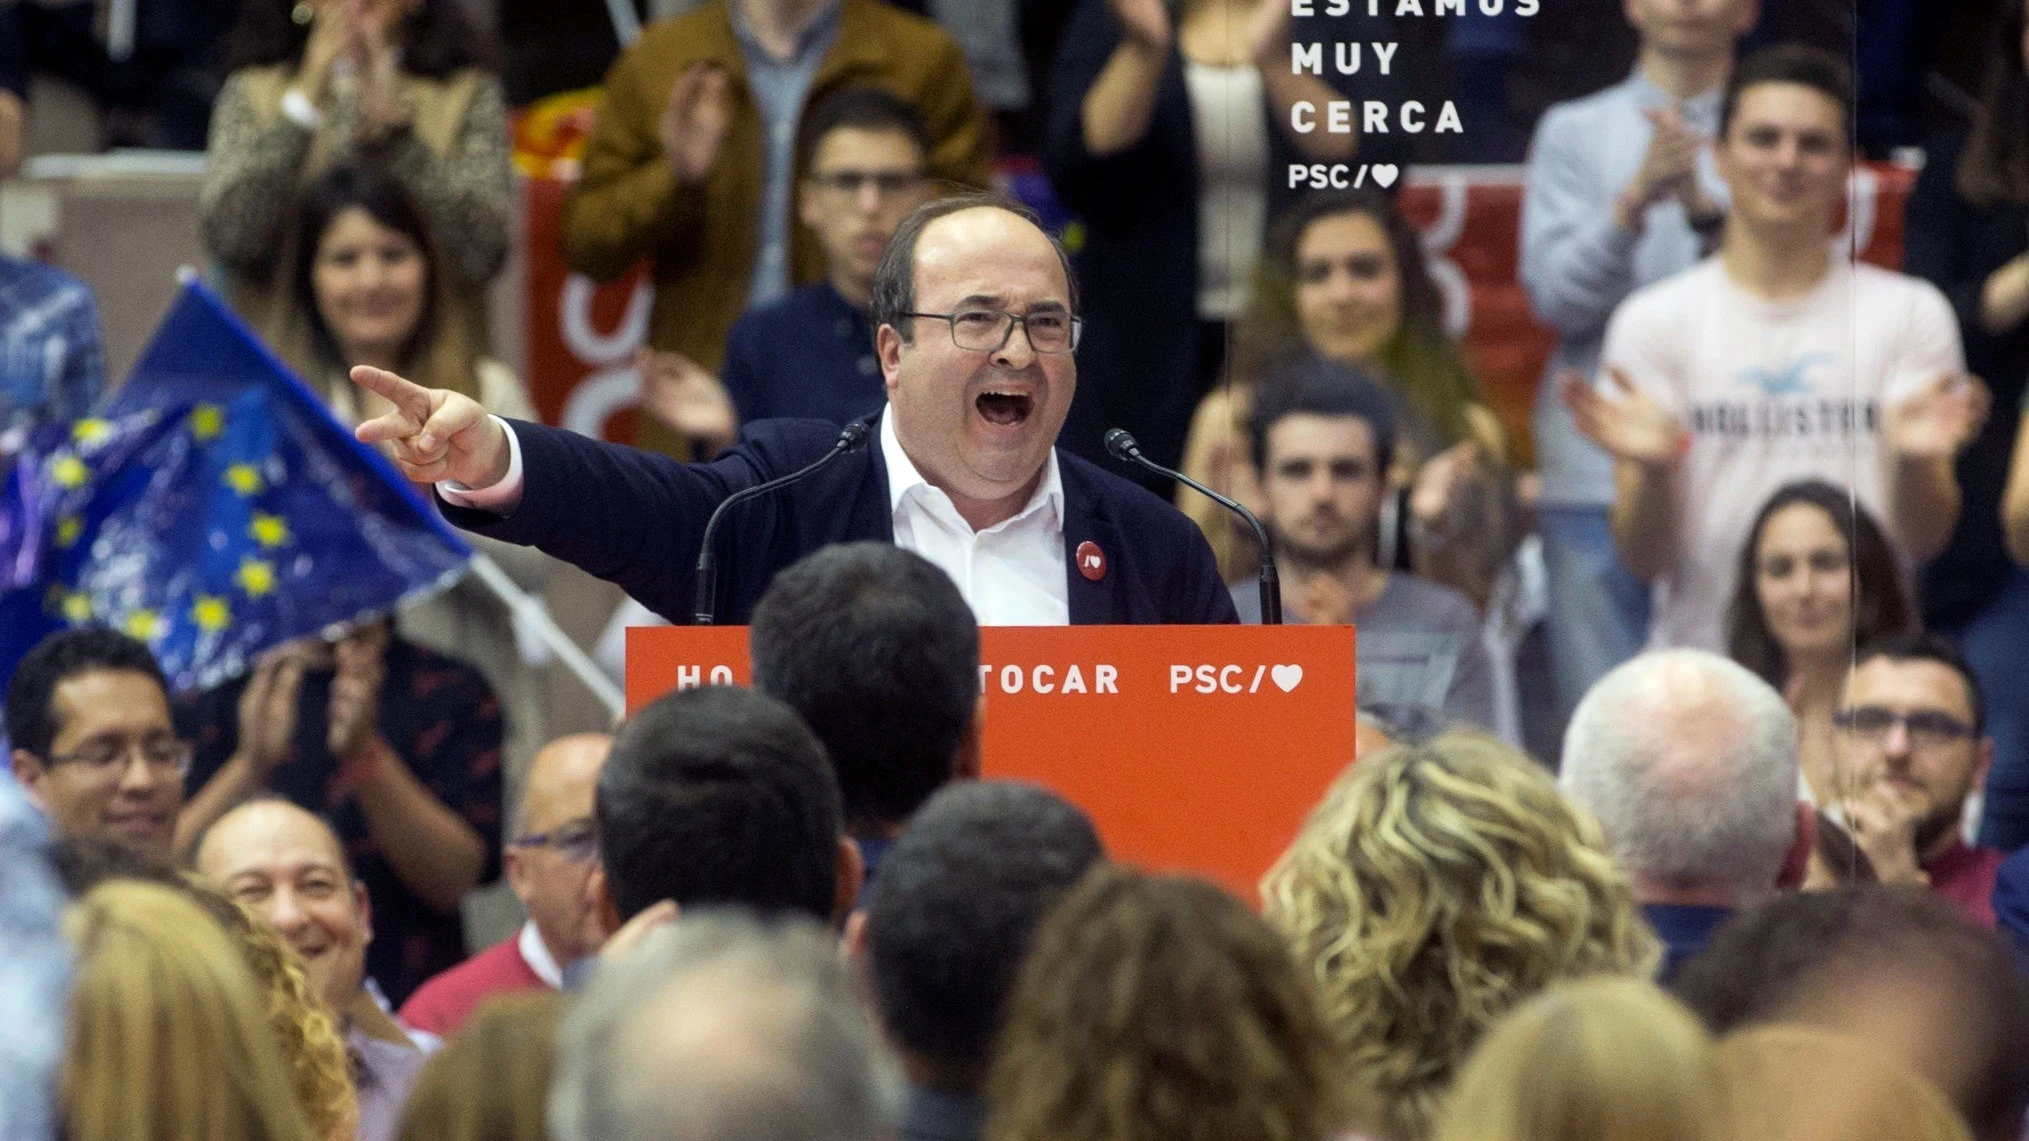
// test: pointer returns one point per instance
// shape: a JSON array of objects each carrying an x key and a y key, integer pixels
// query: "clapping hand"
[
  {"x": 679, "y": 392},
  {"x": 1882, "y": 819},
  {"x": 1324, "y": 600},
  {"x": 1669, "y": 167},
  {"x": 1268, "y": 33},
  {"x": 355, "y": 691},
  {"x": 1147, "y": 23},
  {"x": 267, "y": 710},
  {"x": 694, "y": 122},
  {"x": 1939, "y": 419},
  {"x": 1630, "y": 426}
]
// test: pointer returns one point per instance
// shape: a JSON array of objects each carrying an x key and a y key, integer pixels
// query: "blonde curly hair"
[
  {"x": 1433, "y": 889},
  {"x": 318, "y": 1063}
]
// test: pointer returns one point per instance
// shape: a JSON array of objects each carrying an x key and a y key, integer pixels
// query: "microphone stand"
[
  {"x": 850, "y": 438},
  {"x": 1120, "y": 444}
]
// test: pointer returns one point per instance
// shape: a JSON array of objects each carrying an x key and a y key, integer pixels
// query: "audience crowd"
[{"x": 1770, "y": 880}]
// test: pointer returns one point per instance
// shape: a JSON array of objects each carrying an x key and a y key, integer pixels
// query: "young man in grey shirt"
[
  {"x": 1323, "y": 439},
  {"x": 1621, "y": 193}
]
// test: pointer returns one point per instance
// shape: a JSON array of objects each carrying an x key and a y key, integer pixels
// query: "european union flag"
[{"x": 213, "y": 510}]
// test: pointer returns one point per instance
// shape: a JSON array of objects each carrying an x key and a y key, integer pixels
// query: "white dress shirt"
[{"x": 1011, "y": 574}]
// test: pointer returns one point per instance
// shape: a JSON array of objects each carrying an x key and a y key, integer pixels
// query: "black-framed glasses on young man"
[
  {"x": 1927, "y": 728},
  {"x": 987, "y": 330},
  {"x": 887, "y": 183},
  {"x": 103, "y": 759},
  {"x": 576, "y": 841}
]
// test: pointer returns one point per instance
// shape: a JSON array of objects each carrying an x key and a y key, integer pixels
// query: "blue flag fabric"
[{"x": 214, "y": 509}]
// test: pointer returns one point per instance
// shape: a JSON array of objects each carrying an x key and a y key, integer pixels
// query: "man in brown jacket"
[{"x": 691, "y": 162}]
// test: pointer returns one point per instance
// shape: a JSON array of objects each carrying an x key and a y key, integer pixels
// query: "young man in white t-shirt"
[{"x": 1774, "y": 361}]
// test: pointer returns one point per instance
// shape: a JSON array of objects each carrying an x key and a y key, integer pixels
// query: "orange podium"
[{"x": 1194, "y": 748}]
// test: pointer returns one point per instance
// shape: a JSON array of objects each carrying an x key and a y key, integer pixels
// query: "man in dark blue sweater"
[{"x": 811, "y": 354}]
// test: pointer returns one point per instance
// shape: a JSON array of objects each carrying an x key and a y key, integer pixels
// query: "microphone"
[
  {"x": 850, "y": 439},
  {"x": 1121, "y": 446}
]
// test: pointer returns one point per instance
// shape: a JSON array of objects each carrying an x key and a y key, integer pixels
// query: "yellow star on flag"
[
  {"x": 245, "y": 479},
  {"x": 211, "y": 613},
  {"x": 255, "y": 576},
  {"x": 90, "y": 432},
  {"x": 207, "y": 421},
  {"x": 68, "y": 529},
  {"x": 77, "y": 607},
  {"x": 141, "y": 624},
  {"x": 69, "y": 471},
  {"x": 270, "y": 531}
]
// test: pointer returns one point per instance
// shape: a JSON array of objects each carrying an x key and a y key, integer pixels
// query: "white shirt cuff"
[{"x": 500, "y": 497}]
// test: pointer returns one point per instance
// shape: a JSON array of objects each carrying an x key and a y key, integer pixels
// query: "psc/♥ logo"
[{"x": 1234, "y": 679}]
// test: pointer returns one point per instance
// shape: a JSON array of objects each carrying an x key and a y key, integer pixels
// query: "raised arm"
[
  {"x": 645, "y": 169},
  {"x": 1925, "y": 432},
  {"x": 1647, "y": 443}
]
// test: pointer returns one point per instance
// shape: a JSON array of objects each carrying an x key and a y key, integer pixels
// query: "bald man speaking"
[{"x": 975, "y": 314}]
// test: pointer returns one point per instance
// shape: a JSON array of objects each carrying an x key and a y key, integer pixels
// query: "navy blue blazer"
[{"x": 636, "y": 518}]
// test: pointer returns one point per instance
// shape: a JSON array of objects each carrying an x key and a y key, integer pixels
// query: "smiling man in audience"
[
  {"x": 975, "y": 315},
  {"x": 288, "y": 866},
  {"x": 93, "y": 743}
]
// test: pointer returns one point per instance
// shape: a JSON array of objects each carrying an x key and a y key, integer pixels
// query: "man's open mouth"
[{"x": 1005, "y": 408}]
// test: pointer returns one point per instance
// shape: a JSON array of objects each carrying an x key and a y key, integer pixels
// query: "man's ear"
[
  {"x": 806, "y": 203},
  {"x": 1983, "y": 764},
  {"x": 852, "y": 872},
  {"x": 965, "y": 766},
  {"x": 1796, "y": 863},
  {"x": 602, "y": 902},
  {"x": 364, "y": 902},
  {"x": 516, "y": 872},
  {"x": 888, "y": 350},
  {"x": 28, "y": 773},
  {"x": 857, "y": 942}
]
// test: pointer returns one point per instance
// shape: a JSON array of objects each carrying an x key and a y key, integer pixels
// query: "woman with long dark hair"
[
  {"x": 369, "y": 288},
  {"x": 1169, "y": 133},
  {"x": 1342, "y": 276},
  {"x": 1818, "y": 578},
  {"x": 316, "y": 83},
  {"x": 1969, "y": 235}
]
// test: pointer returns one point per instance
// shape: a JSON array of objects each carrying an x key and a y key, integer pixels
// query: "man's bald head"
[
  {"x": 554, "y": 847},
  {"x": 288, "y": 865},
  {"x": 721, "y": 1026},
  {"x": 558, "y": 775},
  {"x": 1690, "y": 762}
]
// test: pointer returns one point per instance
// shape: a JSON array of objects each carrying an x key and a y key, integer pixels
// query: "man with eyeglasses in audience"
[
  {"x": 975, "y": 323},
  {"x": 549, "y": 860},
  {"x": 93, "y": 743},
  {"x": 1911, "y": 749}
]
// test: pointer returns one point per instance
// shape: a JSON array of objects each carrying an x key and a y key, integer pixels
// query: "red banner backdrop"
[{"x": 579, "y": 336}]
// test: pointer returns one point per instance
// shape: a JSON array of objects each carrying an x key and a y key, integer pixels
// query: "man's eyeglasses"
[
  {"x": 1926, "y": 727},
  {"x": 106, "y": 759},
  {"x": 849, "y": 182},
  {"x": 577, "y": 841},
  {"x": 986, "y": 330}
]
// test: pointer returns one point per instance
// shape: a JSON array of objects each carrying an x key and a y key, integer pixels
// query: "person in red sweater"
[
  {"x": 1912, "y": 748},
  {"x": 549, "y": 862}
]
